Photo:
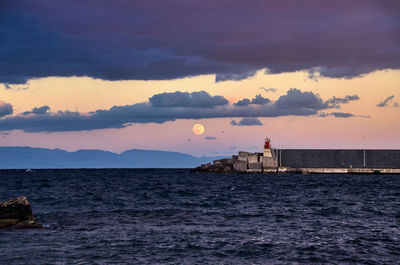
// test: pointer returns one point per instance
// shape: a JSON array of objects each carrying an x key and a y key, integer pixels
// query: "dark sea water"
[{"x": 178, "y": 217}]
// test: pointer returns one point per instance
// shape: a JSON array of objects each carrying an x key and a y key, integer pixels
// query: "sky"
[{"x": 117, "y": 75}]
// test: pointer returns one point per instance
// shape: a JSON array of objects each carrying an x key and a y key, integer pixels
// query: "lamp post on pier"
[{"x": 364, "y": 149}]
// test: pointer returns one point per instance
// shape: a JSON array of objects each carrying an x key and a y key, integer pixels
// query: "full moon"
[{"x": 198, "y": 129}]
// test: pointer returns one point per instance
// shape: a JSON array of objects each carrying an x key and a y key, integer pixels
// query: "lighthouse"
[{"x": 267, "y": 148}]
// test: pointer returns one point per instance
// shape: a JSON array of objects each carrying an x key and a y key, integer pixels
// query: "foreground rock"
[{"x": 17, "y": 213}]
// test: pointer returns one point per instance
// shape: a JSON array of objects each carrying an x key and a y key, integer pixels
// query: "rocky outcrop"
[{"x": 17, "y": 213}]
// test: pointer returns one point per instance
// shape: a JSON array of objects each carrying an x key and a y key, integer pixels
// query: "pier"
[{"x": 308, "y": 161}]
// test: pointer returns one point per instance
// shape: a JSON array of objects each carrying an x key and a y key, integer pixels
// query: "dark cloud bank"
[
  {"x": 168, "y": 107},
  {"x": 158, "y": 39}
]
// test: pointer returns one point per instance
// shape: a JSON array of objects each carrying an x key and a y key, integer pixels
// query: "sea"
[{"x": 173, "y": 216}]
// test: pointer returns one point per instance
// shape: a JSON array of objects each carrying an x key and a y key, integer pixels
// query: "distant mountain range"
[{"x": 28, "y": 157}]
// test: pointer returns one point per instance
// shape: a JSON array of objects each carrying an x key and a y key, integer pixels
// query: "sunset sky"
[{"x": 117, "y": 75}]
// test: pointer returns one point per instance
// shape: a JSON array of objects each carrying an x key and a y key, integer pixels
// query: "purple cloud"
[
  {"x": 38, "y": 110},
  {"x": 242, "y": 102},
  {"x": 157, "y": 39},
  {"x": 273, "y": 90},
  {"x": 342, "y": 115},
  {"x": 387, "y": 101},
  {"x": 247, "y": 122},
  {"x": 5, "y": 109},
  {"x": 199, "y": 99},
  {"x": 335, "y": 102},
  {"x": 257, "y": 100},
  {"x": 293, "y": 103}
]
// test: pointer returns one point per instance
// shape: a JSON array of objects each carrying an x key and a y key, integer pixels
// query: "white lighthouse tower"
[
  {"x": 269, "y": 158},
  {"x": 267, "y": 148}
]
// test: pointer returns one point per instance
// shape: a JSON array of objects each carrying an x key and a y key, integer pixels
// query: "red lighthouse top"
[{"x": 267, "y": 144}]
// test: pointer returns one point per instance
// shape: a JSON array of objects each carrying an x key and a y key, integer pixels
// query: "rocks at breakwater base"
[
  {"x": 244, "y": 162},
  {"x": 17, "y": 213}
]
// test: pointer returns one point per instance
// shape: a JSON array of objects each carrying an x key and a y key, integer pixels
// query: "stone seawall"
[
  {"x": 331, "y": 158},
  {"x": 306, "y": 161}
]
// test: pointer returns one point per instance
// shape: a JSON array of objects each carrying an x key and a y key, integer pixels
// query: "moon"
[{"x": 198, "y": 129}]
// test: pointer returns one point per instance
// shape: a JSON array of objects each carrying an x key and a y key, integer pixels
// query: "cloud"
[
  {"x": 297, "y": 99},
  {"x": 387, "y": 101},
  {"x": 210, "y": 138},
  {"x": 184, "y": 99},
  {"x": 337, "y": 115},
  {"x": 242, "y": 103},
  {"x": 9, "y": 87},
  {"x": 293, "y": 103},
  {"x": 247, "y": 122},
  {"x": 155, "y": 42},
  {"x": 260, "y": 100},
  {"x": 4, "y": 134},
  {"x": 58, "y": 122},
  {"x": 301, "y": 101},
  {"x": 335, "y": 102},
  {"x": 234, "y": 76},
  {"x": 338, "y": 71},
  {"x": 273, "y": 90},
  {"x": 5, "y": 109},
  {"x": 342, "y": 115},
  {"x": 38, "y": 110},
  {"x": 257, "y": 100}
]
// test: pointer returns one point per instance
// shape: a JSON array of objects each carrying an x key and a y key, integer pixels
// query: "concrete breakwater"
[{"x": 307, "y": 161}]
